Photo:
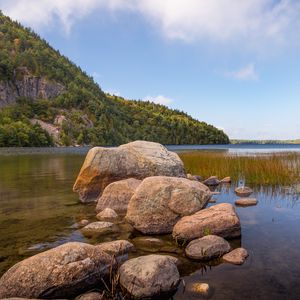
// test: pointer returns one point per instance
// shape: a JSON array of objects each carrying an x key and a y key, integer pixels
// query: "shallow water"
[{"x": 38, "y": 210}]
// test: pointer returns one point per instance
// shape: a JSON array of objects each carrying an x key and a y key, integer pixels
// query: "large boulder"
[
  {"x": 117, "y": 195},
  {"x": 160, "y": 201},
  {"x": 220, "y": 219},
  {"x": 62, "y": 272},
  {"x": 207, "y": 247},
  {"x": 147, "y": 276},
  {"x": 139, "y": 159}
]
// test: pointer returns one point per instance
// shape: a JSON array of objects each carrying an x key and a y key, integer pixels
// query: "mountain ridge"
[{"x": 38, "y": 83}]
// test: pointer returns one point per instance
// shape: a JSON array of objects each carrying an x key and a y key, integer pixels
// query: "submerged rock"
[
  {"x": 139, "y": 159},
  {"x": 149, "y": 276},
  {"x": 159, "y": 202},
  {"x": 212, "y": 181},
  {"x": 199, "y": 288},
  {"x": 62, "y": 272},
  {"x": 243, "y": 191},
  {"x": 236, "y": 256},
  {"x": 152, "y": 244},
  {"x": 246, "y": 202},
  {"x": 117, "y": 195},
  {"x": 207, "y": 247},
  {"x": 107, "y": 214},
  {"x": 220, "y": 219}
]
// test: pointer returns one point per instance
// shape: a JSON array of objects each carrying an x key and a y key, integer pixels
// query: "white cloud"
[
  {"x": 159, "y": 99},
  {"x": 255, "y": 22},
  {"x": 246, "y": 73}
]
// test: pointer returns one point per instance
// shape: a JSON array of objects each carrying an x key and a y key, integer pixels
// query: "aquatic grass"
[{"x": 256, "y": 169}]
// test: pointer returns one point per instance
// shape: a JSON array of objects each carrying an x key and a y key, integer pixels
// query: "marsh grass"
[{"x": 256, "y": 169}]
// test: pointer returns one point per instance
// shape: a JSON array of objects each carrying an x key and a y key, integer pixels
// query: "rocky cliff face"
[{"x": 27, "y": 85}]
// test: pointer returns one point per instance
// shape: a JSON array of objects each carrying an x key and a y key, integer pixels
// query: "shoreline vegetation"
[{"x": 256, "y": 169}]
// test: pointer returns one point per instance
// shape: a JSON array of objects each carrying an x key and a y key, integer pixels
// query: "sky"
[{"x": 231, "y": 63}]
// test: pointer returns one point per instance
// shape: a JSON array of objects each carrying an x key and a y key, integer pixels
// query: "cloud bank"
[{"x": 225, "y": 21}]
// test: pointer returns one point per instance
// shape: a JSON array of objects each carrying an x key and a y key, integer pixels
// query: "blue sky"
[{"x": 232, "y": 63}]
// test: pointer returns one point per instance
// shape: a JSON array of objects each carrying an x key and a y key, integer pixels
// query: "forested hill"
[{"x": 45, "y": 99}]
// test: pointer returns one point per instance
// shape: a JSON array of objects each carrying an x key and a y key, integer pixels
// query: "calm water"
[{"x": 38, "y": 210}]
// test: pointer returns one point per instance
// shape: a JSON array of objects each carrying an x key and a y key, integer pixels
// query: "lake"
[{"x": 38, "y": 211}]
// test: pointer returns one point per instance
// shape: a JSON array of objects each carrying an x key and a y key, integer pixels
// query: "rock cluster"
[{"x": 142, "y": 189}]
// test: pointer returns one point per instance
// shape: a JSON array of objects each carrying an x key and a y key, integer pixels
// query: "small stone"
[
  {"x": 236, "y": 256},
  {"x": 246, "y": 202},
  {"x": 212, "y": 181},
  {"x": 226, "y": 180},
  {"x": 99, "y": 228},
  {"x": 207, "y": 247},
  {"x": 243, "y": 191},
  {"x": 107, "y": 214},
  {"x": 200, "y": 288}
]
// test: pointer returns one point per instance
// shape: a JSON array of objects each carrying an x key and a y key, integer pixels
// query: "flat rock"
[
  {"x": 139, "y": 159},
  {"x": 246, "y": 202},
  {"x": 160, "y": 201},
  {"x": 212, "y": 181},
  {"x": 117, "y": 195},
  {"x": 236, "y": 256},
  {"x": 149, "y": 276},
  {"x": 99, "y": 228},
  {"x": 207, "y": 247},
  {"x": 220, "y": 219},
  {"x": 107, "y": 214},
  {"x": 116, "y": 248},
  {"x": 243, "y": 191},
  {"x": 62, "y": 272}
]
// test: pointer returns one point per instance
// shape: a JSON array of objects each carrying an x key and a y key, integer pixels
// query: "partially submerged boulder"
[
  {"x": 159, "y": 202},
  {"x": 220, "y": 219},
  {"x": 149, "y": 276},
  {"x": 243, "y": 191},
  {"x": 107, "y": 214},
  {"x": 236, "y": 256},
  {"x": 117, "y": 195},
  {"x": 139, "y": 159},
  {"x": 207, "y": 247},
  {"x": 62, "y": 272}
]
